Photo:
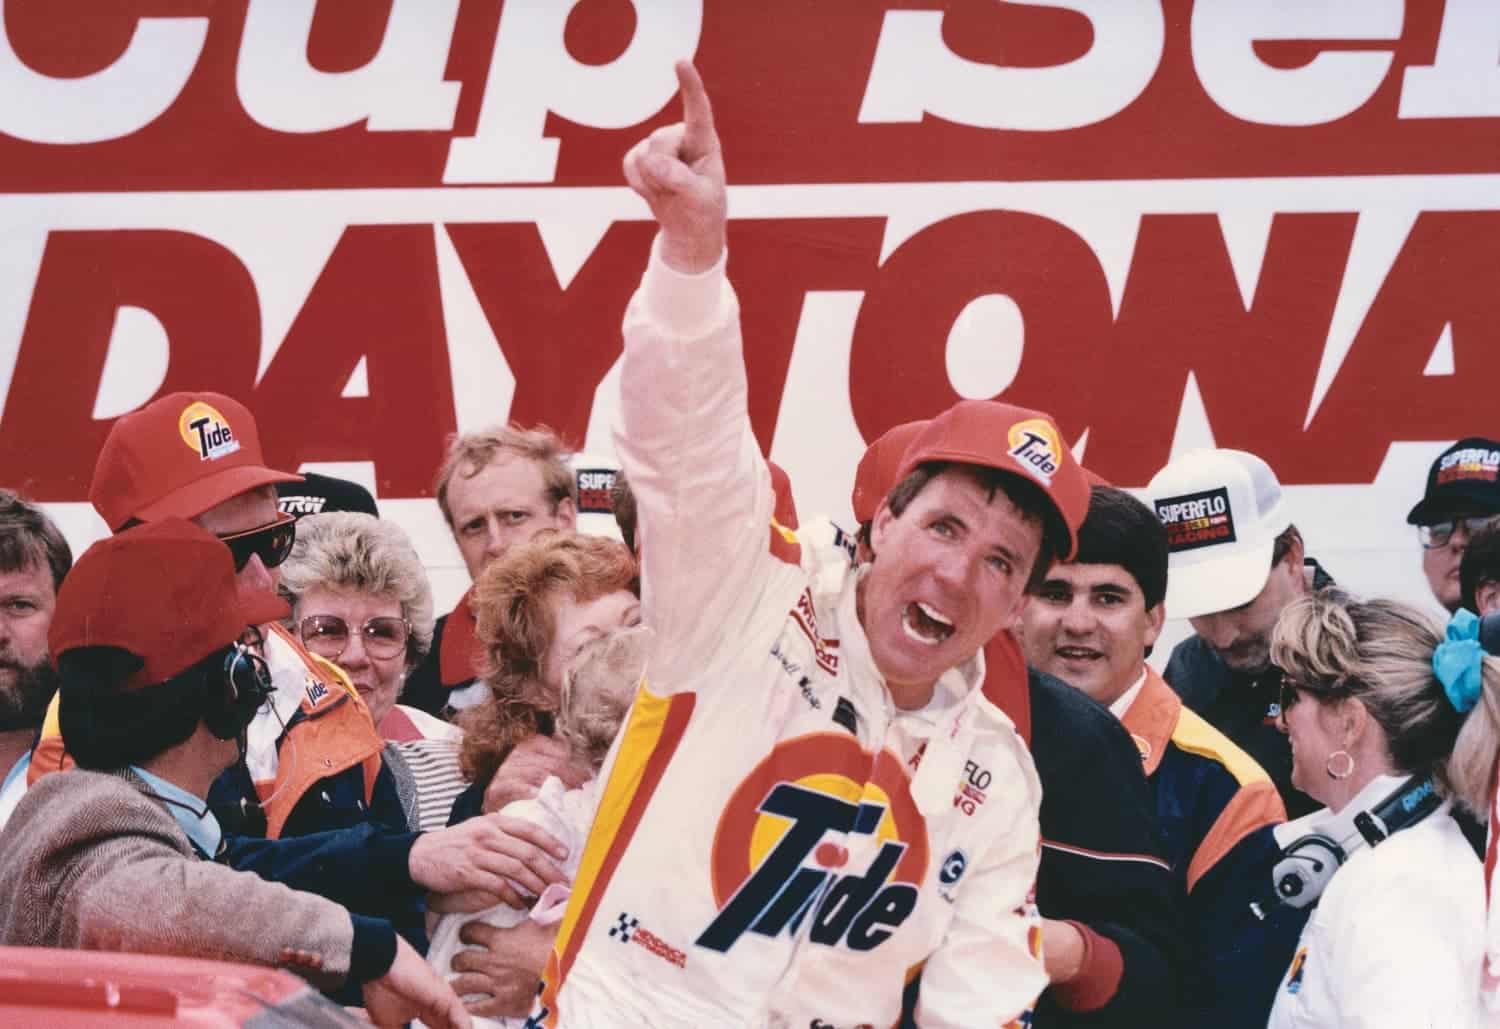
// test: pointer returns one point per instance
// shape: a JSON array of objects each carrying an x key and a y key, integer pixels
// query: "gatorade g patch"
[{"x": 1196, "y": 520}]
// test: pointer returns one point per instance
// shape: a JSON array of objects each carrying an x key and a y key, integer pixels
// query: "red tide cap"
[
  {"x": 1010, "y": 439},
  {"x": 876, "y": 475},
  {"x": 177, "y": 457},
  {"x": 1095, "y": 479},
  {"x": 165, "y": 591},
  {"x": 786, "y": 507}
]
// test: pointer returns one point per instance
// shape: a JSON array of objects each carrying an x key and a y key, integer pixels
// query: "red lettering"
[
  {"x": 898, "y": 368},
  {"x": 377, "y": 299},
  {"x": 200, "y": 292},
  {"x": 559, "y": 342},
  {"x": 1444, "y": 275},
  {"x": 1182, "y": 312}
]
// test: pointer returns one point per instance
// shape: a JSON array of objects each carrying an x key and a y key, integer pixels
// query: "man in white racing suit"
[{"x": 812, "y": 798}]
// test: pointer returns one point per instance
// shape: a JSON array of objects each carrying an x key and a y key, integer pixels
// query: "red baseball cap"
[
  {"x": 1010, "y": 439},
  {"x": 177, "y": 457},
  {"x": 165, "y": 591},
  {"x": 876, "y": 474}
]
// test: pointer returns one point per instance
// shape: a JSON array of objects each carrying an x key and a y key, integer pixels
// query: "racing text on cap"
[
  {"x": 1196, "y": 520},
  {"x": 595, "y": 486},
  {"x": 1034, "y": 444},
  {"x": 1469, "y": 463},
  {"x": 204, "y": 429}
]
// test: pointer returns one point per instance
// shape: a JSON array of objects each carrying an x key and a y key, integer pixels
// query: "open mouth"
[
  {"x": 1078, "y": 654},
  {"x": 925, "y": 624}
]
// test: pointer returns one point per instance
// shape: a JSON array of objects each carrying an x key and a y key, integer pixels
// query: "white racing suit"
[{"x": 776, "y": 844}]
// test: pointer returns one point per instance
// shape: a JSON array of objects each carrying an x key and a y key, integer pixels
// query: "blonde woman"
[{"x": 1373, "y": 694}]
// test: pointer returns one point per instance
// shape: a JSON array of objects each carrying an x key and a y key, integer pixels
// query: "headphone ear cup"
[{"x": 221, "y": 707}]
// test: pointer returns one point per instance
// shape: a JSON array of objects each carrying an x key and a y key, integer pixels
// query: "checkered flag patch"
[{"x": 624, "y": 927}]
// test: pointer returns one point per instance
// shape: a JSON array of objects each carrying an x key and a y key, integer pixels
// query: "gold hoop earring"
[{"x": 1328, "y": 765}]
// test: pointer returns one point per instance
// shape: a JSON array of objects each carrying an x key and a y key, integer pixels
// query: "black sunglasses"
[
  {"x": 272, "y": 542},
  {"x": 1292, "y": 690}
]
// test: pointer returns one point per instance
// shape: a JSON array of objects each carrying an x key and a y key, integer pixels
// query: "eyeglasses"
[
  {"x": 272, "y": 542},
  {"x": 1439, "y": 533},
  {"x": 328, "y": 635}
]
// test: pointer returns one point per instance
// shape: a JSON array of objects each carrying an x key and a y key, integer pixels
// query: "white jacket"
[
  {"x": 774, "y": 845},
  {"x": 1397, "y": 937}
]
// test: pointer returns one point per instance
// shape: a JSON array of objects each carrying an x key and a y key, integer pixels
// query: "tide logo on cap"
[
  {"x": 1035, "y": 446},
  {"x": 785, "y": 848},
  {"x": 204, "y": 429}
]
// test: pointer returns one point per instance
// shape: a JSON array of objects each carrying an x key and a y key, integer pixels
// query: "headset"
[
  {"x": 1307, "y": 864},
  {"x": 235, "y": 697}
]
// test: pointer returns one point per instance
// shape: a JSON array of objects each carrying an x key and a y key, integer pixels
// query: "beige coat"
[{"x": 89, "y": 861}]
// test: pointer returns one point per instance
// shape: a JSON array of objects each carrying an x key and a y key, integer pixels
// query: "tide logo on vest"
[
  {"x": 204, "y": 429},
  {"x": 785, "y": 847}
]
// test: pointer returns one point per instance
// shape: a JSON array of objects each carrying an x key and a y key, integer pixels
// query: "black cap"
[
  {"x": 320, "y": 494},
  {"x": 1465, "y": 477}
]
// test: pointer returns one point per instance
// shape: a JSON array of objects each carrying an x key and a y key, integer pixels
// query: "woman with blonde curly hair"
[{"x": 1374, "y": 694}]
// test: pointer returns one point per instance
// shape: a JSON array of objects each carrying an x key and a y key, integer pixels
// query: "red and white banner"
[{"x": 1251, "y": 223}]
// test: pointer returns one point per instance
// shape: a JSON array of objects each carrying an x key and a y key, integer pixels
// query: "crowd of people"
[{"x": 739, "y": 770}]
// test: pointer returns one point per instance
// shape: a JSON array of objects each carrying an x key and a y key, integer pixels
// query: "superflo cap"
[
  {"x": 177, "y": 457},
  {"x": 1464, "y": 478},
  {"x": 165, "y": 591},
  {"x": 1223, "y": 510},
  {"x": 1011, "y": 439}
]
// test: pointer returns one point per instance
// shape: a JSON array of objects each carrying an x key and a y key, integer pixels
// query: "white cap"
[
  {"x": 1223, "y": 510},
  {"x": 595, "y": 477}
]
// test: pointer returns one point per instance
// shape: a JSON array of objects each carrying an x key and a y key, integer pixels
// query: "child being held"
[{"x": 596, "y": 696}]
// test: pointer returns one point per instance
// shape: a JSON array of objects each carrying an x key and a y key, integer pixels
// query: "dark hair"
[
  {"x": 29, "y": 538},
  {"x": 1283, "y": 545},
  {"x": 107, "y": 725},
  {"x": 1480, "y": 565},
  {"x": 1120, "y": 530},
  {"x": 622, "y": 499},
  {"x": 1029, "y": 498}
]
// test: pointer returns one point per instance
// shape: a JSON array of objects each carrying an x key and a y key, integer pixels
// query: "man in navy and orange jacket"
[{"x": 1092, "y": 624}]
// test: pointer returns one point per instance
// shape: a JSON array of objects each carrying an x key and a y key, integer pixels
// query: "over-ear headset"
[
  {"x": 1307, "y": 864},
  {"x": 236, "y": 694}
]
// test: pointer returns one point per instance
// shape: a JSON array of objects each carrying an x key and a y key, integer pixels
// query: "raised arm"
[{"x": 701, "y": 485}]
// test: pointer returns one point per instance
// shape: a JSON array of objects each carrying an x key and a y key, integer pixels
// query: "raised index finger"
[{"x": 697, "y": 114}]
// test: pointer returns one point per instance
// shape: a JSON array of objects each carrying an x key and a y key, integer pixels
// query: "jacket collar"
[{"x": 1152, "y": 719}]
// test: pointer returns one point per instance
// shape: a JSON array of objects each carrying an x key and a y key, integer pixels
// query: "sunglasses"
[
  {"x": 328, "y": 635},
  {"x": 271, "y": 542},
  {"x": 1439, "y": 533},
  {"x": 1292, "y": 690}
]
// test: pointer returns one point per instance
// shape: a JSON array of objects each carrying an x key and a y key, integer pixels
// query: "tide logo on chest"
[{"x": 782, "y": 850}]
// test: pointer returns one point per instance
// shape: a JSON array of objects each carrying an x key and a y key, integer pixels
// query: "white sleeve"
[
  {"x": 702, "y": 490},
  {"x": 988, "y": 969}
]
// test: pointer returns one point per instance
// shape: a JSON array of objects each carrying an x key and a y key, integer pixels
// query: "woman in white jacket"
[{"x": 1373, "y": 694}]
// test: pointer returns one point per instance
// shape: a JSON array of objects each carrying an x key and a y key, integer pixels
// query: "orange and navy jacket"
[{"x": 1215, "y": 809}]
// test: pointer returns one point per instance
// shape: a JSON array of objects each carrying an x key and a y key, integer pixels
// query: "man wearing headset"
[
  {"x": 118, "y": 854},
  {"x": 308, "y": 803}
]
